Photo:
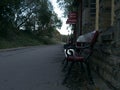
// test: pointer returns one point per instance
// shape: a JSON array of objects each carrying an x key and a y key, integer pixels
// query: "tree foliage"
[
  {"x": 7, "y": 10},
  {"x": 35, "y": 16},
  {"x": 66, "y": 5}
]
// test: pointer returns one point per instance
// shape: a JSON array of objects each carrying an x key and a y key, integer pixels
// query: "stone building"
[
  {"x": 117, "y": 22},
  {"x": 106, "y": 59},
  {"x": 88, "y": 20},
  {"x": 89, "y": 14},
  {"x": 105, "y": 14}
]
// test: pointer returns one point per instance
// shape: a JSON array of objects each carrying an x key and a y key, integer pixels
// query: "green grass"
[{"x": 25, "y": 40}]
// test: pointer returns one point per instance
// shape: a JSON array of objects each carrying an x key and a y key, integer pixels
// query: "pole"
[
  {"x": 74, "y": 33},
  {"x": 80, "y": 17},
  {"x": 112, "y": 12},
  {"x": 97, "y": 16}
]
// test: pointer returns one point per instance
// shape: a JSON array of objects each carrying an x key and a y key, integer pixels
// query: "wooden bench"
[{"x": 80, "y": 53}]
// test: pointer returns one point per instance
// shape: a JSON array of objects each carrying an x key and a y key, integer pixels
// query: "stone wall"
[
  {"x": 117, "y": 22},
  {"x": 106, "y": 63},
  {"x": 106, "y": 57}
]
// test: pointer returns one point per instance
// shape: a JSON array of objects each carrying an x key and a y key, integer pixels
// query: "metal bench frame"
[{"x": 74, "y": 54}]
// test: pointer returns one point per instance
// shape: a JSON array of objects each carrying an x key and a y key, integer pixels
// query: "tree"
[
  {"x": 66, "y": 5},
  {"x": 35, "y": 16},
  {"x": 7, "y": 16}
]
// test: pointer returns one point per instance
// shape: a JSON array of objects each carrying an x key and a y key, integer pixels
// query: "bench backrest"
[
  {"x": 90, "y": 38},
  {"x": 95, "y": 37}
]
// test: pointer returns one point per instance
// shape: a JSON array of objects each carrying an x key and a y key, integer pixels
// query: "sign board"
[
  {"x": 72, "y": 18},
  {"x": 72, "y": 15},
  {"x": 71, "y": 21}
]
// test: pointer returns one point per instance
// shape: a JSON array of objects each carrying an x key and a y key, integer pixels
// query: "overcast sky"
[{"x": 64, "y": 29}]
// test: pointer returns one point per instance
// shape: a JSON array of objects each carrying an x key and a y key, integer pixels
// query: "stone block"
[{"x": 108, "y": 67}]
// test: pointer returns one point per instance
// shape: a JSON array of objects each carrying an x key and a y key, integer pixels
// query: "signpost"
[{"x": 97, "y": 15}]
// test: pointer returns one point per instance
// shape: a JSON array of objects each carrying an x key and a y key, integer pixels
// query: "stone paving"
[{"x": 79, "y": 81}]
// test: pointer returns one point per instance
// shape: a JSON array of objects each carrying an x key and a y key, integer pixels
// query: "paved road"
[{"x": 33, "y": 68}]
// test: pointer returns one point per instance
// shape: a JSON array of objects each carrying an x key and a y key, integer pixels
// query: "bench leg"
[
  {"x": 82, "y": 67},
  {"x": 68, "y": 73},
  {"x": 66, "y": 64},
  {"x": 89, "y": 73}
]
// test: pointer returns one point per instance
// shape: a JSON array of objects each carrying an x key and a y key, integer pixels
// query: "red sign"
[
  {"x": 72, "y": 18},
  {"x": 71, "y": 21},
  {"x": 73, "y": 13}
]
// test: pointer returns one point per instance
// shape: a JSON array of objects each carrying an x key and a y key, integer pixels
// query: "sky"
[{"x": 63, "y": 29}]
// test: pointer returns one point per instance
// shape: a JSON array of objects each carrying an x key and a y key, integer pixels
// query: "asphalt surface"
[
  {"x": 32, "y": 68},
  {"x": 40, "y": 68}
]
